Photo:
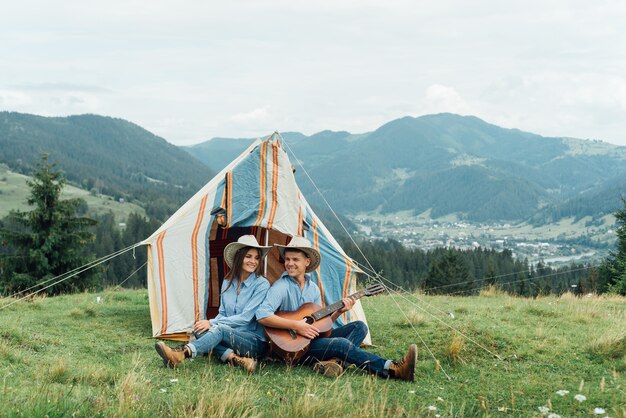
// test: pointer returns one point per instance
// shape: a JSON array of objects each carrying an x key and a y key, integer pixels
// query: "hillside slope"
[{"x": 111, "y": 156}]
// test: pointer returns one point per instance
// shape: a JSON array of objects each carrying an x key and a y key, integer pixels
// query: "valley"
[{"x": 566, "y": 241}]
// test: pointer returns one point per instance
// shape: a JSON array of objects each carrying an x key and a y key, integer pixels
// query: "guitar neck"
[{"x": 331, "y": 309}]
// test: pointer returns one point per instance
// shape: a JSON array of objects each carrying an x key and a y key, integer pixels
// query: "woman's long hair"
[{"x": 235, "y": 271}]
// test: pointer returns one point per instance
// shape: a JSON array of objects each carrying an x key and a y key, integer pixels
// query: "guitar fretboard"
[{"x": 330, "y": 309}]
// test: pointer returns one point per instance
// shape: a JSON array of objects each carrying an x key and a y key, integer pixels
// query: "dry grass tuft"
[
  {"x": 76, "y": 313},
  {"x": 453, "y": 350},
  {"x": 96, "y": 375},
  {"x": 6, "y": 351},
  {"x": 368, "y": 399},
  {"x": 416, "y": 318},
  {"x": 59, "y": 372},
  {"x": 226, "y": 398},
  {"x": 611, "y": 347},
  {"x": 89, "y": 311},
  {"x": 412, "y": 318},
  {"x": 491, "y": 291},
  {"x": 131, "y": 388}
]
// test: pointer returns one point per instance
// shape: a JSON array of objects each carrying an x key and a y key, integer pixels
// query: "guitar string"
[
  {"x": 89, "y": 264},
  {"x": 74, "y": 272}
]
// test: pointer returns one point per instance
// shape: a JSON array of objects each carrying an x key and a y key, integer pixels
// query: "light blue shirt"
[
  {"x": 237, "y": 310},
  {"x": 286, "y": 295}
]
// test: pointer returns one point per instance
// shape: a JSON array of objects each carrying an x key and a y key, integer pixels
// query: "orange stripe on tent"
[
  {"x": 262, "y": 183},
  {"x": 229, "y": 198},
  {"x": 270, "y": 221},
  {"x": 224, "y": 195},
  {"x": 316, "y": 245},
  {"x": 346, "y": 285},
  {"x": 194, "y": 256},
  {"x": 162, "y": 280}
]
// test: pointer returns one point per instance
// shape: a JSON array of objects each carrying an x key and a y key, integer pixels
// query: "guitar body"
[{"x": 289, "y": 345}]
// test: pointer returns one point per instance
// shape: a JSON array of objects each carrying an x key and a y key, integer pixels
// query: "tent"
[{"x": 255, "y": 194}]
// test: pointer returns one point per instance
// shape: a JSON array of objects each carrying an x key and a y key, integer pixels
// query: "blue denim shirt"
[
  {"x": 286, "y": 295},
  {"x": 237, "y": 310}
]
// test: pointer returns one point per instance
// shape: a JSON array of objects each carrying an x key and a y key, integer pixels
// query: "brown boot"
[
  {"x": 171, "y": 357},
  {"x": 405, "y": 369},
  {"x": 248, "y": 364},
  {"x": 329, "y": 368}
]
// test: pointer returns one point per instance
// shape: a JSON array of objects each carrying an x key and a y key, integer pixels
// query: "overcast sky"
[{"x": 192, "y": 70}]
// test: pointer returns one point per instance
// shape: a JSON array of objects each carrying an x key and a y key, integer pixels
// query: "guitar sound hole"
[{"x": 309, "y": 319}]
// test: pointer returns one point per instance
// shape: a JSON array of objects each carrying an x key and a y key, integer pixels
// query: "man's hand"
[
  {"x": 202, "y": 325},
  {"x": 348, "y": 303},
  {"x": 306, "y": 330}
]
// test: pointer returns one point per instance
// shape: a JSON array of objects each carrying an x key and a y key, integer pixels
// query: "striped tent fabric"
[{"x": 255, "y": 194}]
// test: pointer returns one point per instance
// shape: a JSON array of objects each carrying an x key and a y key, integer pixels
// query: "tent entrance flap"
[{"x": 219, "y": 238}]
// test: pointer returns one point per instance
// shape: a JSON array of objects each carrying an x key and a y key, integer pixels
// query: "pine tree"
[
  {"x": 48, "y": 241},
  {"x": 448, "y": 273},
  {"x": 612, "y": 272}
]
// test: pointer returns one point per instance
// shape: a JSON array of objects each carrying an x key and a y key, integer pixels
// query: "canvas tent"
[{"x": 255, "y": 194}]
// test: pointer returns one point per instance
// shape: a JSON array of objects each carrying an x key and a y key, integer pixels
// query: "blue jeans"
[
  {"x": 223, "y": 340},
  {"x": 343, "y": 344}
]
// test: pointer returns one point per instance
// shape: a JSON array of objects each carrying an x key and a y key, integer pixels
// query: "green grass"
[
  {"x": 71, "y": 356},
  {"x": 14, "y": 192}
]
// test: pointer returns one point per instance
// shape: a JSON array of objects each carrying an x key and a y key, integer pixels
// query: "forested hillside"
[
  {"x": 105, "y": 155},
  {"x": 453, "y": 164}
]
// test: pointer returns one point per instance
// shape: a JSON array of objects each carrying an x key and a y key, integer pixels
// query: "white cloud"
[
  {"x": 441, "y": 99},
  {"x": 259, "y": 114},
  {"x": 14, "y": 99}
]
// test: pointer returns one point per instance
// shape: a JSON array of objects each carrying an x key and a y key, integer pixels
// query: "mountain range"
[
  {"x": 448, "y": 164},
  {"x": 444, "y": 163}
]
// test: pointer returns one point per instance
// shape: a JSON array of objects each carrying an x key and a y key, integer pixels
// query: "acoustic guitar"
[{"x": 289, "y": 345}]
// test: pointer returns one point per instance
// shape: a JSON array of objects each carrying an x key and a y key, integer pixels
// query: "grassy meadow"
[
  {"x": 73, "y": 356},
  {"x": 14, "y": 193}
]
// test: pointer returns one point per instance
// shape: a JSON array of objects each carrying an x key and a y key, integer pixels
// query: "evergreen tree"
[
  {"x": 48, "y": 241},
  {"x": 612, "y": 272},
  {"x": 449, "y": 274}
]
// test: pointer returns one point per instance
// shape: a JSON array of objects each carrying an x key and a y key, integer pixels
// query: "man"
[{"x": 293, "y": 289}]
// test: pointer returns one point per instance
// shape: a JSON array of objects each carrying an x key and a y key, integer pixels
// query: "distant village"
[{"x": 554, "y": 248}]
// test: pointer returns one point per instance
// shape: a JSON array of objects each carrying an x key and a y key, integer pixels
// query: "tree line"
[
  {"x": 453, "y": 271},
  {"x": 42, "y": 245}
]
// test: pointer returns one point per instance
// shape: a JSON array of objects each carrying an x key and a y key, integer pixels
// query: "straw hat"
[
  {"x": 243, "y": 241},
  {"x": 304, "y": 245}
]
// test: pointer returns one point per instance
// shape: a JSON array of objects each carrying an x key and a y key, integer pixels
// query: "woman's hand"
[{"x": 202, "y": 325}]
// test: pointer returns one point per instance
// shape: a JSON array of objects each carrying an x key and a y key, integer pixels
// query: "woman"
[{"x": 234, "y": 334}]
